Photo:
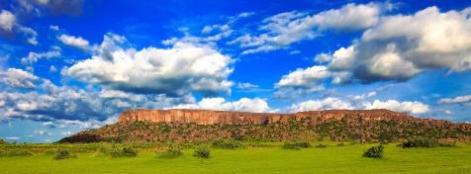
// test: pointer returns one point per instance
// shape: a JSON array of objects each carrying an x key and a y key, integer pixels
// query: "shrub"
[
  {"x": 227, "y": 144},
  {"x": 341, "y": 144},
  {"x": 173, "y": 151},
  {"x": 2, "y": 141},
  {"x": 202, "y": 152},
  {"x": 117, "y": 152},
  {"x": 63, "y": 154},
  {"x": 420, "y": 142},
  {"x": 320, "y": 146},
  {"x": 374, "y": 152},
  {"x": 296, "y": 145}
]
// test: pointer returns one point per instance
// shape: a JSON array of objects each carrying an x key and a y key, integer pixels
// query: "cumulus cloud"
[
  {"x": 282, "y": 30},
  {"x": 178, "y": 70},
  {"x": 74, "y": 41},
  {"x": 401, "y": 46},
  {"x": 18, "y": 78},
  {"x": 33, "y": 57},
  {"x": 456, "y": 100},
  {"x": 7, "y": 20},
  {"x": 218, "y": 103},
  {"x": 51, "y": 103},
  {"x": 413, "y": 107},
  {"x": 323, "y": 104},
  {"x": 304, "y": 78},
  {"x": 9, "y": 26}
]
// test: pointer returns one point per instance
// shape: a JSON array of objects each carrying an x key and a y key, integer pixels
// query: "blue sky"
[{"x": 70, "y": 65}]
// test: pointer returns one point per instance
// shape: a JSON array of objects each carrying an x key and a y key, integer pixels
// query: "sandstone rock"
[{"x": 208, "y": 117}]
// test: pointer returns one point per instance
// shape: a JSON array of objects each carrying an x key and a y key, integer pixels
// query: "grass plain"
[{"x": 258, "y": 158}]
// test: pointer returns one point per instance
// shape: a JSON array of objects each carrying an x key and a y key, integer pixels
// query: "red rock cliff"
[{"x": 206, "y": 117}]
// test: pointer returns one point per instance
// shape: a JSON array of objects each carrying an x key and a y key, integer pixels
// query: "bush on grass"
[
  {"x": 2, "y": 141},
  {"x": 296, "y": 145},
  {"x": 202, "y": 152},
  {"x": 227, "y": 144},
  {"x": 420, "y": 142},
  {"x": 118, "y": 152},
  {"x": 63, "y": 154},
  {"x": 374, "y": 152},
  {"x": 173, "y": 151}
]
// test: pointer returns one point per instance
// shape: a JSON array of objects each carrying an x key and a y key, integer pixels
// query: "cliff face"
[
  {"x": 337, "y": 125},
  {"x": 208, "y": 117}
]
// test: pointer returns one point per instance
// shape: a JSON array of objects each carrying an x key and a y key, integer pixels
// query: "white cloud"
[
  {"x": 54, "y": 27},
  {"x": 456, "y": 100},
  {"x": 246, "y": 85},
  {"x": 304, "y": 78},
  {"x": 30, "y": 34},
  {"x": 18, "y": 78},
  {"x": 349, "y": 17},
  {"x": 364, "y": 96},
  {"x": 401, "y": 46},
  {"x": 282, "y": 30},
  {"x": 74, "y": 41},
  {"x": 243, "y": 105},
  {"x": 53, "y": 103},
  {"x": 413, "y": 107},
  {"x": 7, "y": 20},
  {"x": 179, "y": 70},
  {"x": 324, "y": 104},
  {"x": 33, "y": 57}
]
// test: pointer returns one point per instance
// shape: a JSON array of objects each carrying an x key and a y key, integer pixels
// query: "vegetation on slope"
[{"x": 352, "y": 128}]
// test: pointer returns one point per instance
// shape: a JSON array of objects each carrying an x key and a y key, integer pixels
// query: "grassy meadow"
[{"x": 251, "y": 158}]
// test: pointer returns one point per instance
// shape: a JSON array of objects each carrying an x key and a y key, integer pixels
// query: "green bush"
[
  {"x": 173, "y": 151},
  {"x": 341, "y": 144},
  {"x": 374, "y": 152},
  {"x": 2, "y": 141},
  {"x": 117, "y": 152},
  {"x": 227, "y": 144},
  {"x": 320, "y": 146},
  {"x": 202, "y": 152},
  {"x": 63, "y": 154},
  {"x": 296, "y": 145},
  {"x": 420, "y": 142}
]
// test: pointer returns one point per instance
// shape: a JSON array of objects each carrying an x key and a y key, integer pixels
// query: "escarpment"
[
  {"x": 208, "y": 117},
  {"x": 190, "y": 125}
]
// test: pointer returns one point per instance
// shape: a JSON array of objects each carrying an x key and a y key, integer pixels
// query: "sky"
[{"x": 71, "y": 65}]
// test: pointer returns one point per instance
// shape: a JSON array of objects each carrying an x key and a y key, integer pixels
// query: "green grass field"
[{"x": 270, "y": 159}]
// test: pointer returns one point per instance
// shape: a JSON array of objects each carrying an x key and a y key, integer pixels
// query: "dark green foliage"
[
  {"x": 420, "y": 142},
  {"x": 117, "y": 152},
  {"x": 173, "y": 151},
  {"x": 341, "y": 144},
  {"x": 296, "y": 145},
  {"x": 227, "y": 144},
  {"x": 320, "y": 146},
  {"x": 83, "y": 138},
  {"x": 63, "y": 154},
  {"x": 2, "y": 141},
  {"x": 202, "y": 152},
  {"x": 374, "y": 152}
]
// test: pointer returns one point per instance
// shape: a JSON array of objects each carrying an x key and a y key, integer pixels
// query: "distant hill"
[{"x": 185, "y": 125}]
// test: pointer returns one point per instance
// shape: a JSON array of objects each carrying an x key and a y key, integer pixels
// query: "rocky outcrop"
[
  {"x": 209, "y": 117},
  {"x": 186, "y": 125}
]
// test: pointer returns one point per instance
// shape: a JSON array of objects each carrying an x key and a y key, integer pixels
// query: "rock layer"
[{"x": 208, "y": 117}]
